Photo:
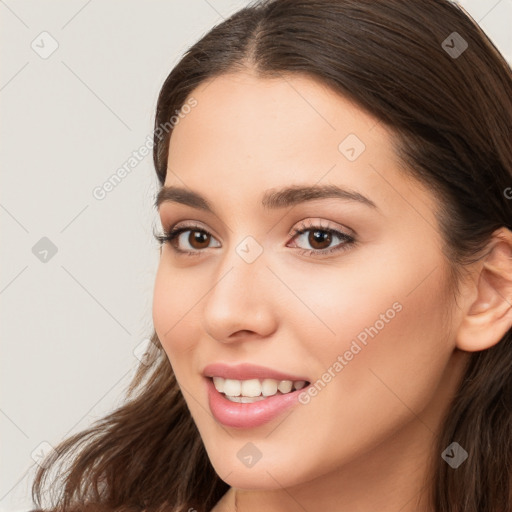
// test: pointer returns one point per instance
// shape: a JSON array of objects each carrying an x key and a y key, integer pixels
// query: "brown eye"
[
  {"x": 319, "y": 239},
  {"x": 199, "y": 239}
]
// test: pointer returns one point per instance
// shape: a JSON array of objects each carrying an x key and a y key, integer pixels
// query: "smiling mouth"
[{"x": 255, "y": 390}]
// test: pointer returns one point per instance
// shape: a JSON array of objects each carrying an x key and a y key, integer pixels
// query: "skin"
[{"x": 364, "y": 442}]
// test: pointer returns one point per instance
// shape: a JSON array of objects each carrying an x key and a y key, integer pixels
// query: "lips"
[
  {"x": 246, "y": 371},
  {"x": 254, "y": 414}
]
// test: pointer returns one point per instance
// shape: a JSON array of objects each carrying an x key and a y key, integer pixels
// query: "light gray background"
[{"x": 70, "y": 325}]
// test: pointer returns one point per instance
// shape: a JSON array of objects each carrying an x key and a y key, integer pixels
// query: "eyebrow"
[{"x": 272, "y": 199}]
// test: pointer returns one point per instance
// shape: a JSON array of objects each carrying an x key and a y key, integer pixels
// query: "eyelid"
[{"x": 312, "y": 223}]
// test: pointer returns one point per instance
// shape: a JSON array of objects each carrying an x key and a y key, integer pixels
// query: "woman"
[{"x": 332, "y": 307}]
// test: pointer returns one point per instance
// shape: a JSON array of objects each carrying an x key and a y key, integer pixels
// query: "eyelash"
[{"x": 168, "y": 236}]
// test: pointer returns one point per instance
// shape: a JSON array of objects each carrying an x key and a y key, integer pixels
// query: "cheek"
[
  {"x": 374, "y": 334},
  {"x": 408, "y": 356},
  {"x": 335, "y": 306},
  {"x": 175, "y": 297},
  {"x": 391, "y": 347}
]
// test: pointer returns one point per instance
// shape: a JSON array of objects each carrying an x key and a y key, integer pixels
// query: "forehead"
[{"x": 237, "y": 113}]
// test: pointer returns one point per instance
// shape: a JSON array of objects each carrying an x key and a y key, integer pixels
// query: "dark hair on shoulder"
[{"x": 452, "y": 121}]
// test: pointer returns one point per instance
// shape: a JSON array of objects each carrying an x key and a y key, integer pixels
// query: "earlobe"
[{"x": 489, "y": 315}]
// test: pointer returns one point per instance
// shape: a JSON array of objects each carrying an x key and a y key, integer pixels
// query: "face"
[{"x": 344, "y": 290}]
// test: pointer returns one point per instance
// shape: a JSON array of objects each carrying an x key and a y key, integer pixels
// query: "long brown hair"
[{"x": 451, "y": 114}]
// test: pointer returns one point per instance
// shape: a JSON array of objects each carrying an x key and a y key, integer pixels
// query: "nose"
[{"x": 240, "y": 302}]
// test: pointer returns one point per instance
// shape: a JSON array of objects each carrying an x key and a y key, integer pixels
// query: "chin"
[{"x": 271, "y": 472}]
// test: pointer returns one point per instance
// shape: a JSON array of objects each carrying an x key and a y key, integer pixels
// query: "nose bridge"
[
  {"x": 242, "y": 265},
  {"x": 239, "y": 298}
]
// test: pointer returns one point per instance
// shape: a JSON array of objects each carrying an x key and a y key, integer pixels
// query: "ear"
[{"x": 489, "y": 315}]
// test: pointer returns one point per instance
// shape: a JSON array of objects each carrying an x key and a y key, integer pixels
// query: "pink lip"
[
  {"x": 246, "y": 371},
  {"x": 238, "y": 415}
]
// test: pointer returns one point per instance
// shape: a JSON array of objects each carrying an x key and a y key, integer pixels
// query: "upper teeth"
[{"x": 255, "y": 387}]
